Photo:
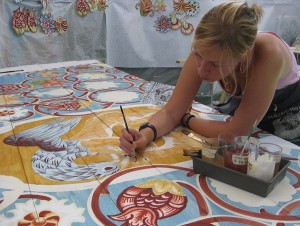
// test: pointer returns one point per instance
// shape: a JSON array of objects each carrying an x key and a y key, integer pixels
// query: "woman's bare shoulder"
[
  {"x": 271, "y": 51},
  {"x": 270, "y": 44}
]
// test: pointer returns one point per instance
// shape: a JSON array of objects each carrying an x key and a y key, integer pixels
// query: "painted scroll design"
[{"x": 175, "y": 20}]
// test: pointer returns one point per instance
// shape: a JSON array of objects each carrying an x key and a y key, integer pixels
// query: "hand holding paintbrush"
[{"x": 126, "y": 126}]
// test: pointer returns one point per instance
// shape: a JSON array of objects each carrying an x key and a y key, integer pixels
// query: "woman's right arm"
[{"x": 166, "y": 119}]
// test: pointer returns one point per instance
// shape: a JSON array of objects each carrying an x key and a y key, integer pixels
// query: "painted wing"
[{"x": 47, "y": 136}]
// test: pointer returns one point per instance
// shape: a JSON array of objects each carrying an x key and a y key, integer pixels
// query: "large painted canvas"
[{"x": 60, "y": 161}]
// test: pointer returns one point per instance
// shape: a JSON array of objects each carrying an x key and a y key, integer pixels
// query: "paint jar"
[
  {"x": 261, "y": 166},
  {"x": 236, "y": 156}
]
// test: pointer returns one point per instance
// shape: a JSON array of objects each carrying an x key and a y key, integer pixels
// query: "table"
[{"x": 61, "y": 164}]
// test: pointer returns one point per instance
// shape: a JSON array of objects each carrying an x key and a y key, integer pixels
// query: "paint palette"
[{"x": 240, "y": 180}]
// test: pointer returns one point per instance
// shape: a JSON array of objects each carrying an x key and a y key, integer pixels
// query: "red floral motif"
[
  {"x": 146, "y": 7},
  {"x": 176, "y": 23},
  {"x": 186, "y": 28},
  {"x": 47, "y": 23},
  {"x": 102, "y": 5},
  {"x": 44, "y": 218},
  {"x": 32, "y": 21},
  {"x": 181, "y": 6},
  {"x": 18, "y": 23},
  {"x": 52, "y": 83},
  {"x": 9, "y": 88},
  {"x": 7, "y": 112},
  {"x": 24, "y": 21},
  {"x": 163, "y": 24},
  {"x": 82, "y": 8},
  {"x": 64, "y": 106},
  {"x": 25, "y": 18},
  {"x": 61, "y": 25},
  {"x": 145, "y": 203}
]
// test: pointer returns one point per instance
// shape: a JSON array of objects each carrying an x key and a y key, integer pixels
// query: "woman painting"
[{"x": 257, "y": 69}]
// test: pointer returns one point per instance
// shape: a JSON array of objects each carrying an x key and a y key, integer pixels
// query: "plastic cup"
[
  {"x": 261, "y": 166},
  {"x": 273, "y": 150},
  {"x": 228, "y": 138},
  {"x": 236, "y": 156},
  {"x": 213, "y": 151}
]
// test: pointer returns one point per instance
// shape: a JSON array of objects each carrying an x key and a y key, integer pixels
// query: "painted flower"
[
  {"x": 176, "y": 23},
  {"x": 32, "y": 21},
  {"x": 52, "y": 83},
  {"x": 92, "y": 5},
  {"x": 82, "y": 8},
  {"x": 25, "y": 18},
  {"x": 7, "y": 114},
  {"x": 47, "y": 23},
  {"x": 160, "y": 6},
  {"x": 186, "y": 28},
  {"x": 52, "y": 212},
  {"x": 146, "y": 7},
  {"x": 18, "y": 22},
  {"x": 163, "y": 24},
  {"x": 193, "y": 8},
  {"x": 42, "y": 218},
  {"x": 102, "y": 5},
  {"x": 61, "y": 25},
  {"x": 9, "y": 88}
]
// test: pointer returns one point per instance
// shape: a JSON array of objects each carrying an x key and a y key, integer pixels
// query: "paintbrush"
[
  {"x": 248, "y": 137},
  {"x": 126, "y": 126},
  {"x": 197, "y": 138},
  {"x": 192, "y": 153},
  {"x": 124, "y": 119}
]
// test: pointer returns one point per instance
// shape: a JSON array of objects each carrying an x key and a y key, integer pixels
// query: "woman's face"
[{"x": 212, "y": 63}]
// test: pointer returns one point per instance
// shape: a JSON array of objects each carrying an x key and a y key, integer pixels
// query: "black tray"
[{"x": 240, "y": 180}]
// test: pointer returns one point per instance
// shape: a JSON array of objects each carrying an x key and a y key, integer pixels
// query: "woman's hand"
[{"x": 132, "y": 140}]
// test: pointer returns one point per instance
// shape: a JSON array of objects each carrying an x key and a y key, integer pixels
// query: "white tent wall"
[
  {"x": 133, "y": 41},
  {"x": 84, "y": 39},
  {"x": 120, "y": 35}
]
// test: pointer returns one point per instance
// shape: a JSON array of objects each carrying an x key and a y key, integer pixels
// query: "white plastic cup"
[{"x": 274, "y": 150}]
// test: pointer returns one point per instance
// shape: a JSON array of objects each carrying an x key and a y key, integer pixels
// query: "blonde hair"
[{"x": 232, "y": 26}]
